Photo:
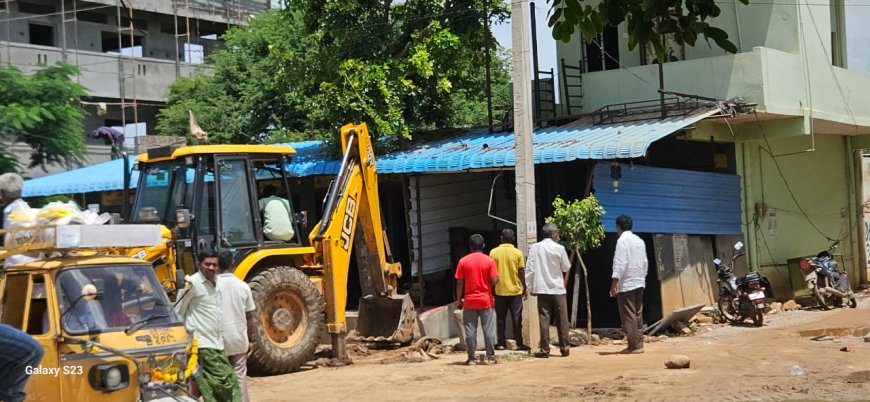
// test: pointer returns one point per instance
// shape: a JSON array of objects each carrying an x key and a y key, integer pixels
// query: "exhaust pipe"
[{"x": 831, "y": 291}]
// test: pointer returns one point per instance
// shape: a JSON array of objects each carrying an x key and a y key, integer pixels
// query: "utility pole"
[
  {"x": 487, "y": 64},
  {"x": 527, "y": 227}
]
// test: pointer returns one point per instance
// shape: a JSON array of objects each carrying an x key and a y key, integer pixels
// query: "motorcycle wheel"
[
  {"x": 758, "y": 318},
  {"x": 853, "y": 302},
  {"x": 820, "y": 299},
  {"x": 726, "y": 307}
]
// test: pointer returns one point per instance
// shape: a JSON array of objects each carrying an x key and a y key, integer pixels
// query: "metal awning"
[{"x": 100, "y": 177}]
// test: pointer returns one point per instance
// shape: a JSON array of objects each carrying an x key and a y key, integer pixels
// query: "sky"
[{"x": 546, "y": 43}]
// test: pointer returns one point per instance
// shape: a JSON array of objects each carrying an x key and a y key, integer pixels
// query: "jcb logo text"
[{"x": 347, "y": 225}]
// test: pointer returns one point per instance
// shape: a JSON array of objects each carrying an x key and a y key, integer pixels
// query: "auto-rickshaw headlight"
[{"x": 109, "y": 377}]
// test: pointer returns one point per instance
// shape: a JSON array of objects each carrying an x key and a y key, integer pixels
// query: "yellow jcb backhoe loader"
[{"x": 206, "y": 197}]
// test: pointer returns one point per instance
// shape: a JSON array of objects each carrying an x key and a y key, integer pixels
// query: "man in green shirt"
[
  {"x": 199, "y": 305},
  {"x": 511, "y": 288},
  {"x": 277, "y": 222}
]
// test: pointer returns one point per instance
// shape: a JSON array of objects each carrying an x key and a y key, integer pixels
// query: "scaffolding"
[
  {"x": 7, "y": 13},
  {"x": 186, "y": 15}
]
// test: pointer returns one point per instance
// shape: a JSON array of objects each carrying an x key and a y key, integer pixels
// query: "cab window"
[
  {"x": 25, "y": 303},
  {"x": 15, "y": 300},
  {"x": 237, "y": 219},
  {"x": 271, "y": 185},
  {"x": 37, "y": 317}
]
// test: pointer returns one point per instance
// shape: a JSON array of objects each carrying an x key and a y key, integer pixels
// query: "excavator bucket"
[{"x": 388, "y": 319}]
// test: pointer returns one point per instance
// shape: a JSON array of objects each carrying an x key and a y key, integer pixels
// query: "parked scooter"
[
  {"x": 829, "y": 286},
  {"x": 741, "y": 297}
]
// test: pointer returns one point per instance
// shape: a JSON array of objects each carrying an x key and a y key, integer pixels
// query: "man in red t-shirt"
[{"x": 476, "y": 276}]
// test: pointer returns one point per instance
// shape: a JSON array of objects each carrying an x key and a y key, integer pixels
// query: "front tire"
[
  {"x": 727, "y": 308},
  {"x": 853, "y": 302},
  {"x": 289, "y": 318},
  {"x": 820, "y": 298}
]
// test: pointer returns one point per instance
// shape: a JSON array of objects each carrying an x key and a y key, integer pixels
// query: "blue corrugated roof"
[
  {"x": 100, "y": 177},
  {"x": 309, "y": 161},
  {"x": 481, "y": 150},
  {"x": 616, "y": 141},
  {"x": 474, "y": 150}
]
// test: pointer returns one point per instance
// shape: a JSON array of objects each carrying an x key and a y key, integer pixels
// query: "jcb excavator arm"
[{"x": 352, "y": 203}]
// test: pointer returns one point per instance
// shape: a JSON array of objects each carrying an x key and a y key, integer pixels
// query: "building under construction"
[{"x": 129, "y": 52}]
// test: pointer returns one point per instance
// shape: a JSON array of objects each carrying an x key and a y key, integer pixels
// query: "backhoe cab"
[{"x": 208, "y": 197}]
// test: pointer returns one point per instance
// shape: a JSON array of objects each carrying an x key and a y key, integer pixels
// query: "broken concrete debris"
[{"x": 678, "y": 362}]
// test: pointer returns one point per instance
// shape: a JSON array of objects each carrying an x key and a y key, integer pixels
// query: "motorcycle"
[
  {"x": 828, "y": 285},
  {"x": 741, "y": 297}
]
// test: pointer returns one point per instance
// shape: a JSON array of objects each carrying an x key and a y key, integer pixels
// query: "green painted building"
[{"x": 797, "y": 146}]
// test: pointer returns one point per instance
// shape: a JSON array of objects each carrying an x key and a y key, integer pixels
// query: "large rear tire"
[{"x": 289, "y": 319}]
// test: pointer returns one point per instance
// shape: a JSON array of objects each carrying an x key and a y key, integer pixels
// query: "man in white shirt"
[
  {"x": 629, "y": 279},
  {"x": 11, "y": 185},
  {"x": 238, "y": 303},
  {"x": 199, "y": 305},
  {"x": 546, "y": 274}
]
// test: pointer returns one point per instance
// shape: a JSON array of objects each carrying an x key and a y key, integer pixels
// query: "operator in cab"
[{"x": 277, "y": 224}]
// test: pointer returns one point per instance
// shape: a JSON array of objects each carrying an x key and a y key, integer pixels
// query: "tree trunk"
[
  {"x": 588, "y": 304},
  {"x": 576, "y": 292}
]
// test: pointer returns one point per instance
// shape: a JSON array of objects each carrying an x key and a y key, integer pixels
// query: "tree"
[
  {"x": 42, "y": 110},
  {"x": 303, "y": 71},
  {"x": 580, "y": 229},
  {"x": 647, "y": 21}
]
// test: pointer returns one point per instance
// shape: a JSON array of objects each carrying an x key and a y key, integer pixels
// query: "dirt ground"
[{"x": 728, "y": 364}]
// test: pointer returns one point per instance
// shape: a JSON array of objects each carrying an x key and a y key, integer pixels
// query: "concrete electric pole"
[{"x": 527, "y": 226}]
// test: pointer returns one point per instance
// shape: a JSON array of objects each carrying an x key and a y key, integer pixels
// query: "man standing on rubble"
[
  {"x": 238, "y": 304},
  {"x": 199, "y": 305},
  {"x": 511, "y": 288},
  {"x": 476, "y": 275},
  {"x": 546, "y": 275},
  {"x": 629, "y": 279}
]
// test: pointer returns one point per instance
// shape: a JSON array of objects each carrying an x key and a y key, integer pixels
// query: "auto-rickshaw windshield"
[{"x": 125, "y": 295}]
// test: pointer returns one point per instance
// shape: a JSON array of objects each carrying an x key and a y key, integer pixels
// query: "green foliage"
[
  {"x": 42, "y": 110},
  {"x": 685, "y": 20},
  {"x": 39, "y": 202},
  {"x": 304, "y": 71},
  {"x": 579, "y": 223}
]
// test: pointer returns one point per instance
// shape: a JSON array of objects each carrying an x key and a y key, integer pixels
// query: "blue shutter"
[{"x": 670, "y": 200}]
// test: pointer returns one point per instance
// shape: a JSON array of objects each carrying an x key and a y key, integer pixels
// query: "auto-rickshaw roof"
[
  {"x": 216, "y": 149},
  {"x": 66, "y": 262}
]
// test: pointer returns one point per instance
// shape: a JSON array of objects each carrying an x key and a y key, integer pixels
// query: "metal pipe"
[
  {"x": 419, "y": 241},
  {"x": 739, "y": 31},
  {"x": 489, "y": 207},
  {"x": 487, "y": 64},
  {"x": 125, "y": 193},
  {"x": 337, "y": 184},
  {"x": 175, "y": 21},
  {"x": 854, "y": 215},
  {"x": 62, "y": 27},
  {"x": 748, "y": 207},
  {"x": 662, "y": 90},
  {"x": 536, "y": 98},
  {"x": 8, "y": 35}
]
